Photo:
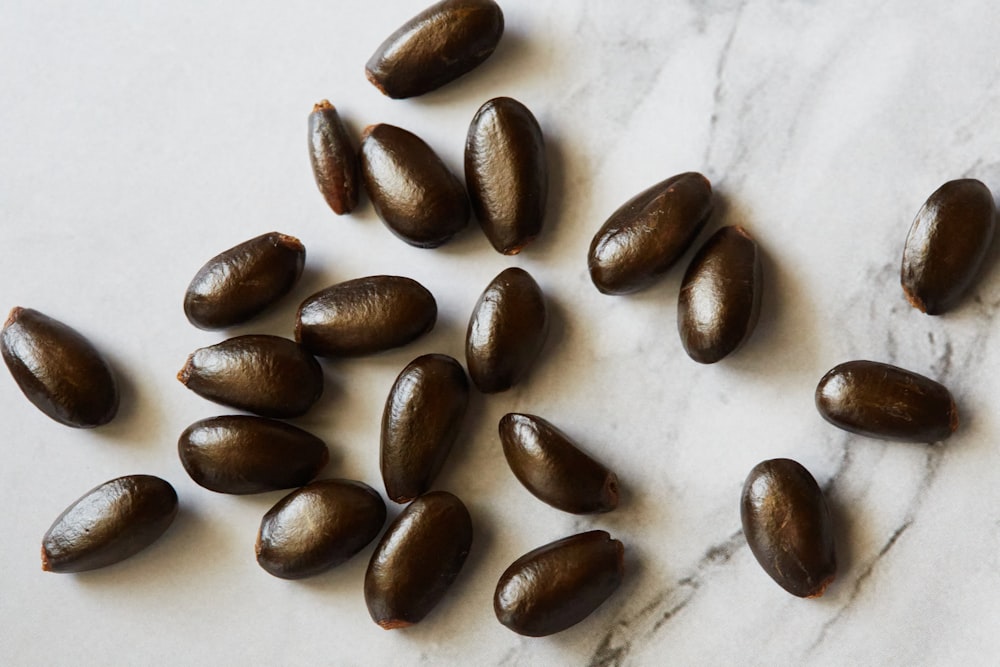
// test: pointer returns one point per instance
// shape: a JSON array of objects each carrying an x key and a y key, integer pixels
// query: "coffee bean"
[{"x": 334, "y": 161}]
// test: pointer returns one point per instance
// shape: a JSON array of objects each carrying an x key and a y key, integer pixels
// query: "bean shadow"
[{"x": 137, "y": 414}]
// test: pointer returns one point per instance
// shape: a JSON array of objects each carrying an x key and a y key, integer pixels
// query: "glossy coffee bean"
[
  {"x": 240, "y": 283},
  {"x": 109, "y": 523},
  {"x": 417, "y": 560},
  {"x": 365, "y": 316},
  {"x": 413, "y": 192},
  {"x": 422, "y": 418},
  {"x": 506, "y": 173},
  {"x": 720, "y": 296},
  {"x": 506, "y": 331},
  {"x": 649, "y": 233},
  {"x": 318, "y": 527},
  {"x": 242, "y": 454},
  {"x": 787, "y": 525},
  {"x": 882, "y": 401},
  {"x": 553, "y": 469},
  {"x": 435, "y": 47},
  {"x": 333, "y": 158},
  {"x": 558, "y": 585},
  {"x": 946, "y": 246},
  {"x": 58, "y": 369},
  {"x": 267, "y": 375}
]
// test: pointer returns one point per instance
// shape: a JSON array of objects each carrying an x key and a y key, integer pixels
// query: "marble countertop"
[{"x": 139, "y": 140}]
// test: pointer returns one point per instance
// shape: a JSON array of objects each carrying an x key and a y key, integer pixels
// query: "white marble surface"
[{"x": 140, "y": 139}]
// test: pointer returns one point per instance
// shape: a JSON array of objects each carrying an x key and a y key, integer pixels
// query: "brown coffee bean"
[
  {"x": 506, "y": 331},
  {"x": 59, "y": 370},
  {"x": 435, "y": 47},
  {"x": 318, "y": 527},
  {"x": 333, "y": 158},
  {"x": 558, "y": 585},
  {"x": 109, "y": 523},
  {"x": 422, "y": 418},
  {"x": 882, "y": 401},
  {"x": 553, "y": 469},
  {"x": 649, "y": 233},
  {"x": 412, "y": 190},
  {"x": 506, "y": 173},
  {"x": 242, "y": 454},
  {"x": 240, "y": 283},
  {"x": 947, "y": 244},
  {"x": 720, "y": 296},
  {"x": 268, "y": 375},
  {"x": 365, "y": 316},
  {"x": 417, "y": 560},
  {"x": 788, "y": 527}
]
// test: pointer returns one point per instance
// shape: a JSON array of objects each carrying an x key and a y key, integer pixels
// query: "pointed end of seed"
[
  {"x": 953, "y": 422},
  {"x": 184, "y": 374},
  {"x": 323, "y": 105},
  {"x": 915, "y": 300},
  {"x": 368, "y": 130},
  {"x": 611, "y": 492},
  {"x": 822, "y": 588},
  {"x": 15, "y": 313},
  {"x": 394, "y": 624},
  {"x": 372, "y": 79},
  {"x": 46, "y": 565},
  {"x": 289, "y": 242}
]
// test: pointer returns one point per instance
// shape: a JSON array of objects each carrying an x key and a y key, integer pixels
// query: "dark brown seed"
[
  {"x": 267, "y": 375},
  {"x": 242, "y": 454},
  {"x": 506, "y": 173},
  {"x": 720, "y": 296},
  {"x": 334, "y": 161},
  {"x": 787, "y": 524},
  {"x": 109, "y": 523},
  {"x": 318, "y": 527},
  {"x": 506, "y": 331},
  {"x": 422, "y": 418},
  {"x": 558, "y": 585},
  {"x": 412, "y": 190},
  {"x": 947, "y": 244},
  {"x": 418, "y": 558},
  {"x": 365, "y": 316},
  {"x": 649, "y": 233},
  {"x": 58, "y": 369},
  {"x": 882, "y": 401},
  {"x": 436, "y": 46},
  {"x": 552, "y": 468},
  {"x": 242, "y": 282}
]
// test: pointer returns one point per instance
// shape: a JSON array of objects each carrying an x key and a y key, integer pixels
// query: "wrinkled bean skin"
[
  {"x": 109, "y": 523},
  {"x": 720, "y": 296},
  {"x": 59, "y": 370},
  {"x": 333, "y": 158},
  {"x": 558, "y": 585},
  {"x": 883, "y": 401},
  {"x": 365, "y": 316},
  {"x": 553, "y": 469},
  {"x": 506, "y": 173},
  {"x": 417, "y": 560},
  {"x": 237, "y": 285},
  {"x": 946, "y": 246},
  {"x": 649, "y": 233},
  {"x": 318, "y": 527},
  {"x": 267, "y": 375},
  {"x": 787, "y": 524},
  {"x": 421, "y": 421},
  {"x": 435, "y": 47}
]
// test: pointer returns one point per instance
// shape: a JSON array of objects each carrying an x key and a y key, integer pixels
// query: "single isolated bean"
[
  {"x": 59, "y": 370},
  {"x": 333, "y": 158}
]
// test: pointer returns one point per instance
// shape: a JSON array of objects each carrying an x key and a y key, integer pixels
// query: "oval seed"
[
  {"x": 720, "y": 296},
  {"x": 558, "y": 585},
  {"x": 365, "y": 316},
  {"x": 882, "y": 401},
  {"x": 334, "y": 161},
  {"x": 506, "y": 331},
  {"x": 506, "y": 173},
  {"x": 109, "y": 523},
  {"x": 59, "y": 370},
  {"x": 418, "y": 558},
  {"x": 318, "y": 527},
  {"x": 242, "y": 454},
  {"x": 268, "y": 375},
  {"x": 947, "y": 244},
  {"x": 422, "y": 418},
  {"x": 242, "y": 282},
  {"x": 413, "y": 192},
  {"x": 436, "y": 46},
  {"x": 787, "y": 524},
  {"x": 649, "y": 233}
]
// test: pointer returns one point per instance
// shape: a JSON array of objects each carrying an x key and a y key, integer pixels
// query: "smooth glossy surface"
[{"x": 333, "y": 158}]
